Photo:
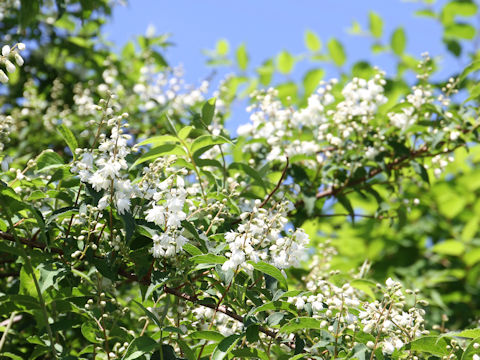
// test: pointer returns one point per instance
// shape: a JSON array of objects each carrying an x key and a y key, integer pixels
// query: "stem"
[
  {"x": 7, "y": 329},
  {"x": 31, "y": 271}
]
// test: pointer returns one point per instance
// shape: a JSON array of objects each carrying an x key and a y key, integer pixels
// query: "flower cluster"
[
  {"x": 6, "y": 124},
  {"x": 157, "y": 89},
  {"x": 103, "y": 169},
  {"x": 7, "y": 54},
  {"x": 343, "y": 308},
  {"x": 167, "y": 211},
  {"x": 260, "y": 238},
  {"x": 223, "y": 324}
]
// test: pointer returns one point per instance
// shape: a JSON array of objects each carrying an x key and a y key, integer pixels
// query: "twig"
[{"x": 284, "y": 172}]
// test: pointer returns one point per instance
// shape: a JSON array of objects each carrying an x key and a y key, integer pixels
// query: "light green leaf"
[
  {"x": 398, "y": 41},
  {"x": 431, "y": 344},
  {"x": 69, "y": 138},
  {"x": 162, "y": 150},
  {"x": 366, "y": 286},
  {"x": 460, "y": 31},
  {"x": 159, "y": 140},
  {"x": 184, "y": 132},
  {"x": 208, "y": 259},
  {"x": 449, "y": 247},
  {"x": 336, "y": 51},
  {"x": 285, "y": 62},
  {"x": 457, "y": 8},
  {"x": 312, "y": 79},
  {"x": 242, "y": 57},
  {"x": 375, "y": 24},
  {"x": 222, "y": 47},
  {"x": 312, "y": 42},
  {"x": 301, "y": 323}
]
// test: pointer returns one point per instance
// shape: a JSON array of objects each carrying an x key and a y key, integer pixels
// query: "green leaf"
[
  {"x": 249, "y": 171},
  {"x": 49, "y": 159},
  {"x": 222, "y": 47},
  {"x": 460, "y": 31},
  {"x": 457, "y": 8},
  {"x": 225, "y": 346},
  {"x": 474, "y": 66},
  {"x": 420, "y": 170},
  {"x": 312, "y": 42},
  {"x": 301, "y": 323},
  {"x": 265, "y": 72},
  {"x": 285, "y": 62},
  {"x": 449, "y": 247},
  {"x": 470, "y": 350},
  {"x": 276, "y": 305},
  {"x": 366, "y": 286},
  {"x": 431, "y": 344},
  {"x": 89, "y": 332},
  {"x": 185, "y": 131},
  {"x": 336, "y": 51},
  {"x": 186, "y": 349},
  {"x": 270, "y": 270},
  {"x": 208, "y": 111},
  {"x": 207, "y": 335},
  {"x": 375, "y": 24},
  {"x": 159, "y": 140},
  {"x": 312, "y": 79},
  {"x": 192, "y": 249},
  {"x": 162, "y": 150},
  {"x": 398, "y": 41},
  {"x": 242, "y": 57},
  {"x": 208, "y": 259},
  {"x": 250, "y": 353},
  {"x": 206, "y": 141},
  {"x": 69, "y": 138},
  {"x": 140, "y": 346}
]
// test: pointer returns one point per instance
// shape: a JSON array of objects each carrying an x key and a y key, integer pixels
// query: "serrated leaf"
[{"x": 159, "y": 140}]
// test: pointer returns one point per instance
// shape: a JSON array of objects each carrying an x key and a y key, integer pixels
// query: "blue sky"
[{"x": 269, "y": 26}]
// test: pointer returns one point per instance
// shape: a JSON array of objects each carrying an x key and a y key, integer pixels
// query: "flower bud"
[
  {"x": 10, "y": 67},
  {"x": 5, "y": 50},
  {"x": 3, "y": 77},
  {"x": 18, "y": 59}
]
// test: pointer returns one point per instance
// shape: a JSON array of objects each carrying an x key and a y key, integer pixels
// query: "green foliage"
[{"x": 138, "y": 228}]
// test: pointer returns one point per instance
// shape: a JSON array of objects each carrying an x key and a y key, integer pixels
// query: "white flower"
[
  {"x": 21, "y": 46},
  {"x": 123, "y": 204},
  {"x": 156, "y": 215},
  {"x": 9, "y": 65},
  {"x": 3, "y": 77},
  {"x": 19, "y": 59},
  {"x": 6, "y": 50}
]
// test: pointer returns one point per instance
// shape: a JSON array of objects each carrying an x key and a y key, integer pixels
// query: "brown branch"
[
  {"x": 284, "y": 172},
  {"x": 30, "y": 243}
]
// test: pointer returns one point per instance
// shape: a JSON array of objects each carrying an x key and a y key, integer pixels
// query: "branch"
[{"x": 284, "y": 172}]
